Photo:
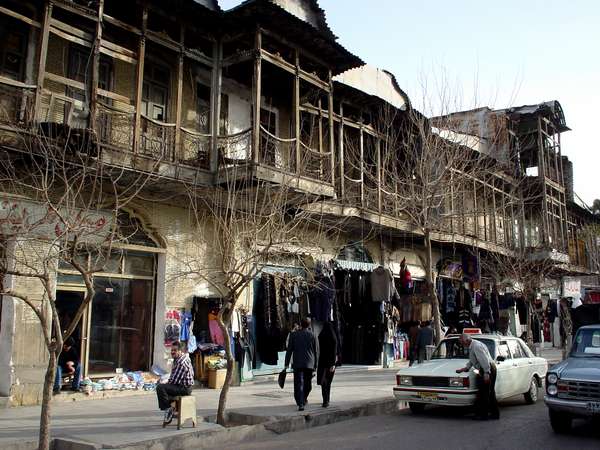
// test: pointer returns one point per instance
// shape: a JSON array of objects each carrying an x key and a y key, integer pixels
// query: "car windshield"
[
  {"x": 586, "y": 344},
  {"x": 452, "y": 349}
]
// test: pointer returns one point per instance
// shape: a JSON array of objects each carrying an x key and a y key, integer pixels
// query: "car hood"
[
  {"x": 434, "y": 368},
  {"x": 578, "y": 369}
]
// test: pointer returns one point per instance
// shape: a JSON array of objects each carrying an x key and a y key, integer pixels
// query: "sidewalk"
[{"x": 123, "y": 422}]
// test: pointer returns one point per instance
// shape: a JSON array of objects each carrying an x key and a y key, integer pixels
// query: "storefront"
[
  {"x": 280, "y": 302},
  {"x": 116, "y": 330}
]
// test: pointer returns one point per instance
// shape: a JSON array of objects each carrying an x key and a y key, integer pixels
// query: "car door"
[
  {"x": 533, "y": 363},
  {"x": 521, "y": 368},
  {"x": 505, "y": 371}
]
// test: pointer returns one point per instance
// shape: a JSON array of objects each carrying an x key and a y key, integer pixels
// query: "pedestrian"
[
  {"x": 424, "y": 338},
  {"x": 302, "y": 349},
  {"x": 68, "y": 364},
  {"x": 179, "y": 384},
  {"x": 413, "y": 333},
  {"x": 327, "y": 361},
  {"x": 480, "y": 359}
]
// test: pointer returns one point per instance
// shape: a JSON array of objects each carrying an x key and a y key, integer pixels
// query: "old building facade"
[{"x": 189, "y": 94}]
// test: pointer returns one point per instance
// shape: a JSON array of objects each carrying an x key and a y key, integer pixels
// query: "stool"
[{"x": 185, "y": 408}]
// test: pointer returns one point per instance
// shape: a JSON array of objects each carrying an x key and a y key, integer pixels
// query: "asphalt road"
[{"x": 520, "y": 427}]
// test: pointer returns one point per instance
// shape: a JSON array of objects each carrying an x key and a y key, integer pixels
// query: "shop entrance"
[
  {"x": 360, "y": 319},
  {"x": 116, "y": 329},
  {"x": 67, "y": 304}
]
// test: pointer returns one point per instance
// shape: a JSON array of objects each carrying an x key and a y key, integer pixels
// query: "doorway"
[{"x": 68, "y": 302}]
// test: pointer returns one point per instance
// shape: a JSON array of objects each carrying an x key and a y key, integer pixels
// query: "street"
[{"x": 521, "y": 427}]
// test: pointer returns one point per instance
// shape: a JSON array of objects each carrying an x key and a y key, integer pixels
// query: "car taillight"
[
  {"x": 398, "y": 380},
  {"x": 466, "y": 382}
]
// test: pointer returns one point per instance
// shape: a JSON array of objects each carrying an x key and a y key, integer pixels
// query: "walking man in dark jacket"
[
  {"x": 424, "y": 338},
  {"x": 302, "y": 349}
]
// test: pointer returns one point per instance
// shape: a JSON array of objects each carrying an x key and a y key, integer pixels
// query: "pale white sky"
[{"x": 510, "y": 53}]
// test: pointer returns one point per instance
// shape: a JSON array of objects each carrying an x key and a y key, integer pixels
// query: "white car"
[{"x": 435, "y": 382}]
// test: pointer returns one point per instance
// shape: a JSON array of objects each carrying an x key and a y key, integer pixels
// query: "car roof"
[
  {"x": 590, "y": 327},
  {"x": 495, "y": 337}
]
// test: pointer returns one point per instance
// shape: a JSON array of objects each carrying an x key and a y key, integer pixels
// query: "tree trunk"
[
  {"x": 44, "y": 438},
  {"x": 224, "y": 319},
  {"x": 529, "y": 304},
  {"x": 435, "y": 304}
]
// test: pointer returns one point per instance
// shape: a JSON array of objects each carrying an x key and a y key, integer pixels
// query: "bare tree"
[
  {"x": 249, "y": 223},
  {"x": 524, "y": 274},
  {"x": 61, "y": 208},
  {"x": 427, "y": 171}
]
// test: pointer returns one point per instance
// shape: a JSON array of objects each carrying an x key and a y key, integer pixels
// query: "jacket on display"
[
  {"x": 382, "y": 285},
  {"x": 321, "y": 298}
]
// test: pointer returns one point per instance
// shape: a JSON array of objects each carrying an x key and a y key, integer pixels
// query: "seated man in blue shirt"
[{"x": 68, "y": 364}]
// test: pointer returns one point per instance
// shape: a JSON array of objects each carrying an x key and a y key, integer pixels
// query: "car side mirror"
[{"x": 500, "y": 358}]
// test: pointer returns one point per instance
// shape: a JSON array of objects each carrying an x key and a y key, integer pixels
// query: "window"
[
  {"x": 13, "y": 50},
  {"x": 503, "y": 350},
  {"x": 203, "y": 110},
  {"x": 516, "y": 350},
  {"x": 155, "y": 92},
  {"x": 526, "y": 351},
  {"x": 80, "y": 69},
  {"x": 452, "y": 349}
]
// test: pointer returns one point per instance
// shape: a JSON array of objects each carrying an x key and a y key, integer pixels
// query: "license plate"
[
  {"x": 428, "y": 395},
  {"x": 594, "y": 407}
]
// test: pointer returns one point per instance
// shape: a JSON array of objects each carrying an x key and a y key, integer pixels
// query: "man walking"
[
  {"x": 424, "y": 338},
  {"x": 480, "y": 359},
  {"x": 180, "y": 382},
  {"x": 302, "y": 349}
]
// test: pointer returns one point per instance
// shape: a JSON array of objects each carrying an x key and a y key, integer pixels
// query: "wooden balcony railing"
[
  {"x": 315, "y": 164},
  {"x": 16, "y": 102},
  {"x": 157, "y": 139},
  {"x": 195, "y": 148},
  {"x": 277, "y": 152},
  {"x": 115, "y": 127}
]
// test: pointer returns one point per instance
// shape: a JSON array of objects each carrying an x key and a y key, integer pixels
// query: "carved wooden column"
[
  {"x": 256, "y": 96},
  {"x": 178, "y": 151},
  {"x": 96, "y": 67},
  {"x": 215, "y": 100},
  {"x": 331, "y": 129},
  {"x": 296, "y": 103},
  {"x": 42, "y": 55},
  {"x": 140, "y": 82}
]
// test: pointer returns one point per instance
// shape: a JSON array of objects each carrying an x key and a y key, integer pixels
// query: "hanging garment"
[
  {"x": 186, "y": 322},
  {"x": 216, "y": 334},
  {"x": 321, "y": 298},
  {"x": 347, "y": 290},
  {"x": 382, "y": 285},
  {"x": 450, "y": 298}
]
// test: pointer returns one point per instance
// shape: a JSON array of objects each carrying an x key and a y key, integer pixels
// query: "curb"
[{"x": 248, "y": 427}]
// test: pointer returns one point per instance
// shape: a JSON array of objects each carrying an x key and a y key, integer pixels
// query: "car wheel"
[
  {"x": 531, "y": 395},
  {"x": 416, "y": 408},
  {"x": 560, "y": 422}
]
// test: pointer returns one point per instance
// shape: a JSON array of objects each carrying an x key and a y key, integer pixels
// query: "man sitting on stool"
[
  {"x": 68, "y": 364},
  {"x": 180, "y": 382}
]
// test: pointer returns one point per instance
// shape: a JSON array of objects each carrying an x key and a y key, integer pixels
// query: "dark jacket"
[
  {"x": 303, "y": 347},
  {"x": 328, "y": 352},
  {"x": 328, "y": 347},
  {"x": 425, "y": 337}
]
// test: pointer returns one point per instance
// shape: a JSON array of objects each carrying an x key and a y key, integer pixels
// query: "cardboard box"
[{"x": 216, "y": 378}]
